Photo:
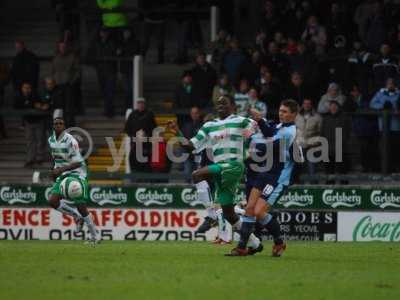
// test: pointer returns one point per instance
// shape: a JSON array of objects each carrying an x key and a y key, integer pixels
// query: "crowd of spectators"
[{"x": 337, "y": 59}]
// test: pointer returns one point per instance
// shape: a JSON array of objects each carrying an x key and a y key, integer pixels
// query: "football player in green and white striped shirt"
[
  {"x": 226, "y": 136},
  {"x": 70, "y": 174}
]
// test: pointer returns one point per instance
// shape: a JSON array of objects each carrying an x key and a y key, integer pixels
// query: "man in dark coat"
[
  {"x": 386, "y": 66},
  {"x": 365, "y": 128},
  {"x": 296, "y": 89},
  {"x": 104, "y": 49},
  {"x": 140, "y": 124},
  {"x": 33, "y": 123},
  {"x": 334, "y": 120},
  {"x": 129, "y": 47},
  {"x": 25, "y": 68},
  {"x": 204, "y": 78}
]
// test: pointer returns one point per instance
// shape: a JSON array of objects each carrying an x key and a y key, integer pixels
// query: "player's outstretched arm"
[
  {"x": 265, "y": 129},
  {"x": 187, "y": 145}
]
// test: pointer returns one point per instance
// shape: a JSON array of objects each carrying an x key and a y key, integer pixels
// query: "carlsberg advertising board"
[
  {"x": 185, "y": 196},
  {"x": 368, "y": 226}
]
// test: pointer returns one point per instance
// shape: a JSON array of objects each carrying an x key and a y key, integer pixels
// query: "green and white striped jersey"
[
  {"x": 257, "y": 105},
  {"x": 65, "y": 151},
  {"x": 225, "y": 137},
  {"x": 241, "y": 101}
]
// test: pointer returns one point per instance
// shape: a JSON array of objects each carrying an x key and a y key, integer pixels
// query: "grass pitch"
[{"x": 197, "y": 270}]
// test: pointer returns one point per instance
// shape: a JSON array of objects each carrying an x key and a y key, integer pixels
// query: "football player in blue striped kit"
[{"x": 269, "y": 176}]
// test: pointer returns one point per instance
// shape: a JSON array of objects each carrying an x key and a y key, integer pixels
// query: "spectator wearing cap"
[
  {"x": 223, "y": 88},
  {"x": 308, "y": 123},
  {"x": 204, "y": 79},
  {"x": 333, "y": 93},
  {"x": 334, "y": 124},
  {"x": 140, "y": 124},
  {"x": 388, "y": 98},
  {"x": 386, "y": 66}
]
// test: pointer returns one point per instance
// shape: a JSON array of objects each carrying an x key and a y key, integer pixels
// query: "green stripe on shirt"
[
  {"x": 221, "y": 151},
  {"x": 224, "y": 126}
]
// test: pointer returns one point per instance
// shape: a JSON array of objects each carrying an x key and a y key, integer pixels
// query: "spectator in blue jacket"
[
  {"x": 388, "y": 99},
  {"x": 233, "y": 60}
]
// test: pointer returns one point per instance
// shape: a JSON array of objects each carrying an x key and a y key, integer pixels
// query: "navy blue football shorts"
[{"x": 267, "y": 184}]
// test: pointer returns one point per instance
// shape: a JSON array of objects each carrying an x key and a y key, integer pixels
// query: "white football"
[{"x": 71, "y": 188}]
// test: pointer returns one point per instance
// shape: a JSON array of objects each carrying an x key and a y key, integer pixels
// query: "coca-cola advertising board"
[{"x": 368, "y": 226}]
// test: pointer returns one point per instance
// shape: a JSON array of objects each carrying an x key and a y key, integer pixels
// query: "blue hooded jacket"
[{"x": 385, "y": 99}]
